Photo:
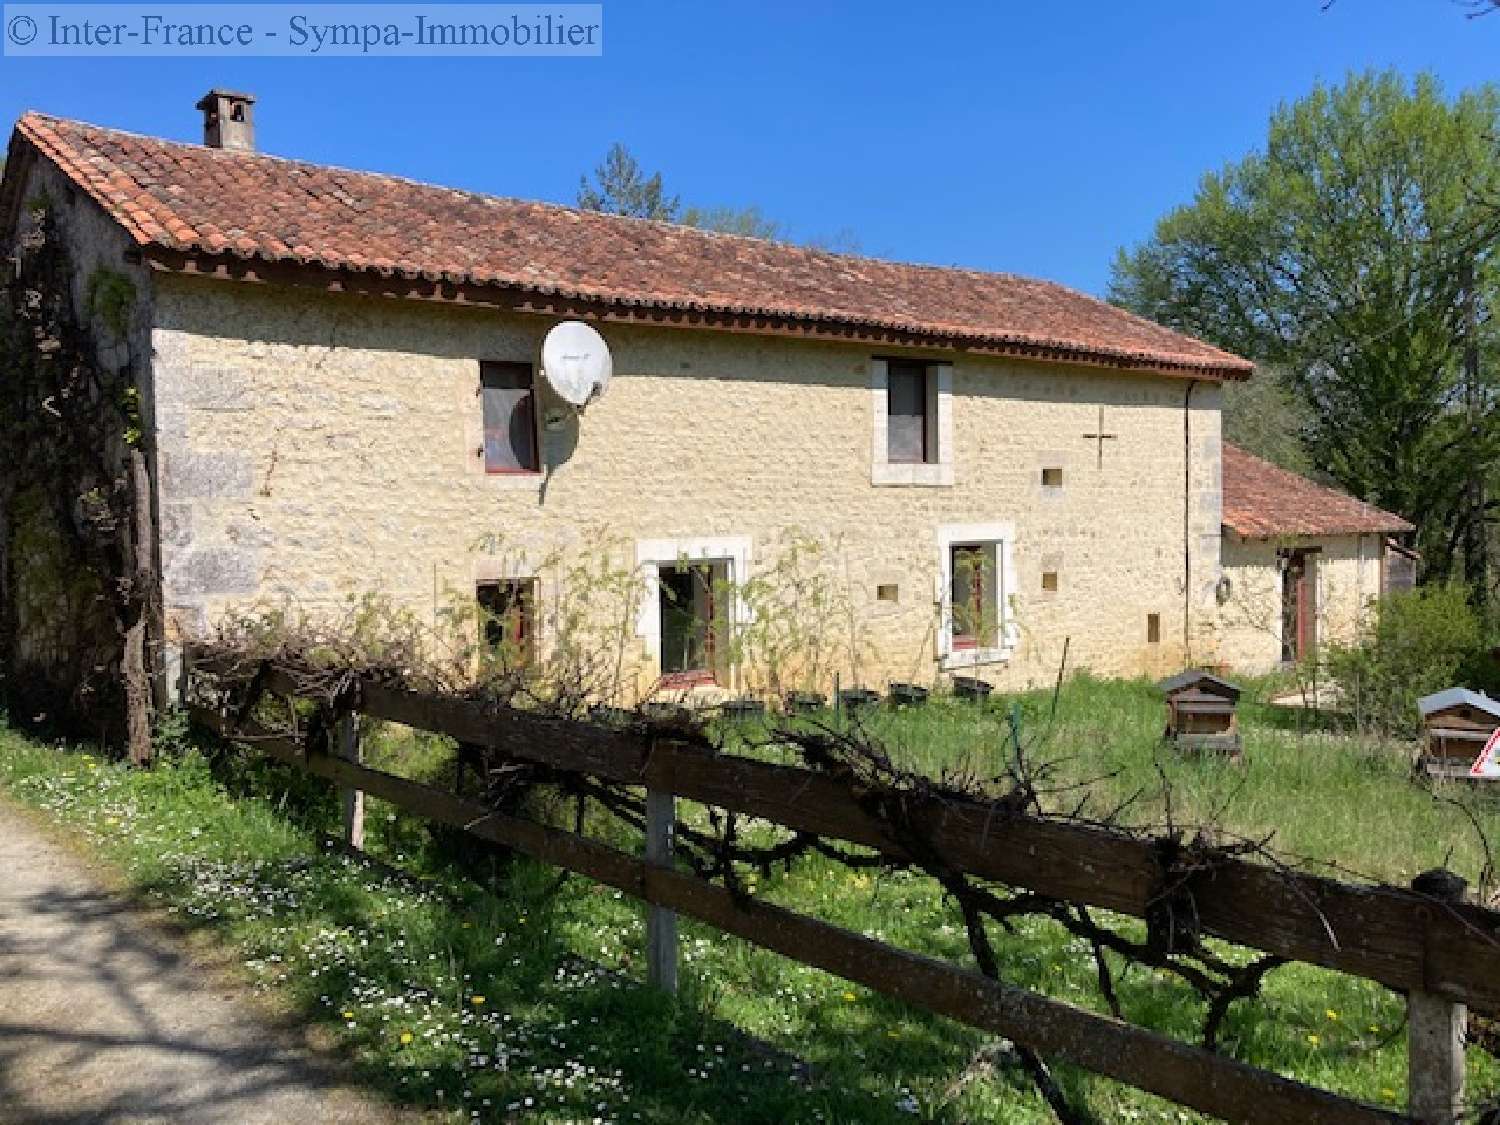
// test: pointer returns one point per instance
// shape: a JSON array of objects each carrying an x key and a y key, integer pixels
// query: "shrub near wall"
[
  {"x": 65, "y": 660},
  {"x": 1419, "y": 642}
]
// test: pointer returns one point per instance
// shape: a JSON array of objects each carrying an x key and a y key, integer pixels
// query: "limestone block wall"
[
  {"x": 1348, "y": 571},
  {"x": 318, "y": 447}
]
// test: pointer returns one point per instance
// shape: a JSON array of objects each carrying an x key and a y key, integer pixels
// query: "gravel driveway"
[{"x": 105, "y": 1017}]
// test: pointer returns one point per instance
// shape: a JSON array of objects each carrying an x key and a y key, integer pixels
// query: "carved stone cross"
[{"x": 1100, "y": 437}]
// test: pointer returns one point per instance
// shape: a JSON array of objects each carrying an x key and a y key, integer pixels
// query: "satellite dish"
[{"x": 576, "y": 362}]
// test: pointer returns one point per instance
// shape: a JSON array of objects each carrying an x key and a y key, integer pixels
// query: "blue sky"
[{"x": 1031, "y": 137}]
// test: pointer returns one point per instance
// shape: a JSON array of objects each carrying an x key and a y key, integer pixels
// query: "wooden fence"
[{"x": 1443, "y": 954}]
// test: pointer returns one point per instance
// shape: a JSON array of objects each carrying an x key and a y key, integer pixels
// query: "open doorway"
[
  {"x": 1299, "y": 605},
  {"x": 692, "y": 599}
]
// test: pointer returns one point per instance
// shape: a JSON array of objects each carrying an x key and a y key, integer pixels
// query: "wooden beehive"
[
  {"x": 1201, "y": 712},
  {"x": 1457, "y": 723}
]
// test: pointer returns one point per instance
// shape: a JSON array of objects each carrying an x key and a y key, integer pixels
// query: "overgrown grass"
[
  {"x": 486, "y": 986},
  {"x": 1327, "y": 797}
]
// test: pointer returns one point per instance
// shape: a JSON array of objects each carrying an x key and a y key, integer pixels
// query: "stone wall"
[
  {"x": 318, "y": 447},
  {"x": 61, "y": 642},
  {"x": 1348, "y": 577}
]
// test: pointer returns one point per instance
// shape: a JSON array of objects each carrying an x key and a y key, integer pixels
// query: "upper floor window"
[
  {"x": 510, "y": 433},
  {"x": 911, "y": 414},
  {"x": 912, "y": 402}
]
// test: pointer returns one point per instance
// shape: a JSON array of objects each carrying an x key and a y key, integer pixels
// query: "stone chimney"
[{"x": 228, "y": 120}]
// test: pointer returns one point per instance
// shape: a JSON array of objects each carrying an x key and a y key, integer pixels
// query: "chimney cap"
[{"x": 216, "y": 94}]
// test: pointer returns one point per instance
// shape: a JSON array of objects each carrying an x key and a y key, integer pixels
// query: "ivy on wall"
[{"x": 76, "y": 561}]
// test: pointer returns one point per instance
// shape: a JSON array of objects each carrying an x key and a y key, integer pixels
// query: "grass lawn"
[{"x": 504, "y": 998}]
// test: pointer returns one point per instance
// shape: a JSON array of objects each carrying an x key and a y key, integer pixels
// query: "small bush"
[{"x": 1419, "y": 642}]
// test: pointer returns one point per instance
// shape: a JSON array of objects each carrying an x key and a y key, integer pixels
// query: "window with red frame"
[
  {"x": 510, "y": 437},
  {"x": 692, "y": 604},
  {"x": 507, "y": 620}
]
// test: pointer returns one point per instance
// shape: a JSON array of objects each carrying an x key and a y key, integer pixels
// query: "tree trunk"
[{"x": 133, "y": 665}]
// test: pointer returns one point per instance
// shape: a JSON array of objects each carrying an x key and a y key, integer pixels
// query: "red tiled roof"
[
  {"x": 1262, "y": 501},
  {"x": 189, "y": 199}
]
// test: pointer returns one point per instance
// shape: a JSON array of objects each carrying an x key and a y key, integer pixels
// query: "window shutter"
[
  {"x": 510, "y": 442},
  {"x": 937, "y": 375},
  {"x": 1399, "y": 567}
]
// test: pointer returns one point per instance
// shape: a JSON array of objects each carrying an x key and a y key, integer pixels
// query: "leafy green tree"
[
  {"x": 746, "y": 220},
  {"x": 1265, "y": 416},
  {"x": 842, "y": 241},
  {"x": 620, "y": 187},
  {"x": 1346, "y": 253}
]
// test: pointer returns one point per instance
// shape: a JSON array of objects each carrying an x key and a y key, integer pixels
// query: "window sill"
[
  {"x": 526, "y": 479},
  {"x": 678, "y": 681},
  {"x": 911, "y": 475},
  {"x": 974, "y": 657}
]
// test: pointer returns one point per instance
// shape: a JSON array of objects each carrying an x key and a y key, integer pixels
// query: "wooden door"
[
  {"x": 1307, "y": 608},
  {"x": 1299, "y": 606}
]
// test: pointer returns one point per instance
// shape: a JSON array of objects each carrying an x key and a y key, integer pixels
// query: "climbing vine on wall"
[{"x": 74, "y": 500}]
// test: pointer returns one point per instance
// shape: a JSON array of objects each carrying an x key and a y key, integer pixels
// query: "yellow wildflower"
[
  {"x": 406, "y": 1037},
  {"x": 476, "y": 1000},
  {"x": 1330, "y": 1013},
  {"x": 849, "y": 996},
  {"x": 1314, "y": 1040}
]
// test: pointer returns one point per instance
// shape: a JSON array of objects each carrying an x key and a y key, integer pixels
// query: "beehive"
[
  {"x": 1201, "y": 712},
  {"x": 1457, "y": 723}
]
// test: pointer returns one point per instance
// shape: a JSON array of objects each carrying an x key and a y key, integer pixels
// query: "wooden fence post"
[
  {"x": 1436, "y": 1028},
  {"x": 354, "y": 799},
  {"x": 661, "y": 924}
]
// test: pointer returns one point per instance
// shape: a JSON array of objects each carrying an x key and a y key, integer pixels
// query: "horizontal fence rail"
[
  {"x": 1187, "y": 1075},
  {"x": 1400, "y": 938},
  {"x": 1442, "y": 954}
]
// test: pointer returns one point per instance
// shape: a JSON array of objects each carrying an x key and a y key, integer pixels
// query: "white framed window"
[
  {"x": 974, "y": 587},
  {"x": 911, "y": 404},
  {"x": 691, "y": 605}
]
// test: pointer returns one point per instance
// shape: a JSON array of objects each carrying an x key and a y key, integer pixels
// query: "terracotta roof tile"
[
  {"x": 1263, "y": 501},
  {"x": 204, "y": 200}
]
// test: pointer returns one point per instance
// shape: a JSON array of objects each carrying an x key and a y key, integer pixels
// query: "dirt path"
[{"x": 105, "y": 1017}]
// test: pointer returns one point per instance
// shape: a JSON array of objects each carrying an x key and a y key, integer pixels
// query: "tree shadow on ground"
[{"x": 106, "y": 1021}]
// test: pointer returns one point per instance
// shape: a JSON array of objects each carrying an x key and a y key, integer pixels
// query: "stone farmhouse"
[{"x": 338, "y": 384}]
